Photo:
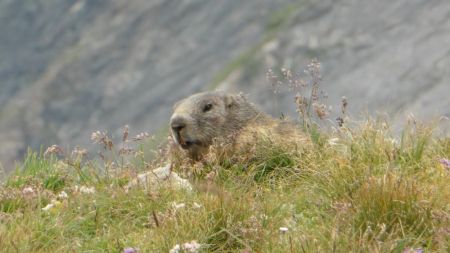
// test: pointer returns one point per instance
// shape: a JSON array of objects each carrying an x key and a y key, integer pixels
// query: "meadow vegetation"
[{"x": 357, "y": 188}]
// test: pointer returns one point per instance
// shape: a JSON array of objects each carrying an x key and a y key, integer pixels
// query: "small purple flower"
[
  {"x": 412, "y": 250},
  {"x": 130, "y": 250},
  {"x": 445, "y": 162}
]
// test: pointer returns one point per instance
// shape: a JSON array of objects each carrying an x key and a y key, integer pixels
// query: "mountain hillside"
[{"x": 68, "y": 68}]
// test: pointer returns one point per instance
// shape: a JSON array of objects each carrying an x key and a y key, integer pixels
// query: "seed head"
[
  {"x": 54, "y": 149},
  {"x": 125, "y": 133}
]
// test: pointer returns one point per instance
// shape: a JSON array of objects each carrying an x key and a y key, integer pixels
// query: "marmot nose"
[{"x": 177, "y": 124}]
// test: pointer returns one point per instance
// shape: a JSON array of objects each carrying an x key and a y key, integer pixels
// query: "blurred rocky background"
[{"x": 70, "y": 67}]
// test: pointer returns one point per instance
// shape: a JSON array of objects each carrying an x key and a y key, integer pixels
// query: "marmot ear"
[{"x": 230, "y": 100}]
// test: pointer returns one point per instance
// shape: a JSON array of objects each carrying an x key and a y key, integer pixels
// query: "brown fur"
[{"x": 210, "y": 117}]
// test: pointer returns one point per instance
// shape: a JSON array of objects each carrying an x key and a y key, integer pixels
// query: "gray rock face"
[
  {"x": 382, "y": 56},
  {"x": 68, "y": 68}
]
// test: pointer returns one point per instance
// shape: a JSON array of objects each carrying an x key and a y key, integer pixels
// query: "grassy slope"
[{"x": 361, "y": 192}]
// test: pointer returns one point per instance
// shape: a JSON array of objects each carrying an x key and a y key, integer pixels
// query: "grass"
[
  {"x": 361, "y": 192},
  {"x": 355, "y": 188}
]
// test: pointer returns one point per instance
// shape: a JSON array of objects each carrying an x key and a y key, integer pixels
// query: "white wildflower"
[
  {"x": 84, "y": 189},
  {"x": 177, "y": 206},
  {"x": 87, "y": 190},
  {"x": 63, "y": 195},
  {"x": 48, "y": 207},
  {"x": 142, "y": 136},
  {"x": 264, "y": 217},
  {"x": 191, "y": 247},
  {"x": 175, "y": 249},
  {"x": 333, "y": 141},
  {"x": 283, "y": 229},
  {"x": 28, "y": 190},
  {"x": 54, "y": 203},
  {"x": 196, "y": 205}
]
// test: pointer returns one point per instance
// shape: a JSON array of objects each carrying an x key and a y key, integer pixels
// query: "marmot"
[
  {"x": 202, "y": 118},
  {"x": 205, "y": 119}
]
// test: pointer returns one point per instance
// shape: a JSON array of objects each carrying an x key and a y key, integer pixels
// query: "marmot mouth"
[{"x": 189, "y": 144}]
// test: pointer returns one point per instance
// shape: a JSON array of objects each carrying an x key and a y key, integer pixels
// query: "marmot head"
[{"x": 199, "y": 119}]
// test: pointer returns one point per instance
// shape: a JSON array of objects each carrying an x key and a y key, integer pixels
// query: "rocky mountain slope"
[{"x": 69, "y": 67}]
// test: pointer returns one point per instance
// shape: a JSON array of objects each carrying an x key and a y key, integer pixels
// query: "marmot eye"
[{"x": 207, "y": 107}]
